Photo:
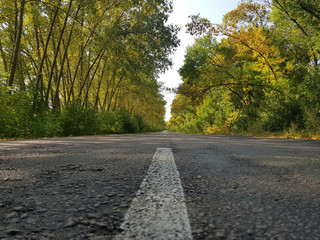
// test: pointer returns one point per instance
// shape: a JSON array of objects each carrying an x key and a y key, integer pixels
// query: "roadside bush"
[
  {"x": 20, "y": 118},
  {"x": 312, "y": 121},
  {"x": 119, "y": 122},
  {"x": 282, "y": 115},
  {"x": 45, "y": 124},
  {"x": 215, "y": 111},
  {"x": 107, "y": 121},
  {"x": 15, "y": 112},
  {"x": 110, "y": 122},
  {"x": 248, "y": 119},
  {"x": 76, "y": 121},
  {"x": 130, "y": 124},
  {"x": 142, "y": 126}
]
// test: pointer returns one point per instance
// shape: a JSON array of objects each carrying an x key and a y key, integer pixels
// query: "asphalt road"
[{"x": 234, "y": 187}]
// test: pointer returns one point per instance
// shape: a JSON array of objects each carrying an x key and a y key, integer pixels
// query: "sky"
[{"x": 210, "y": 9}]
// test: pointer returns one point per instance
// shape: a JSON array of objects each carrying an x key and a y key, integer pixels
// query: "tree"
[
  {"x": 100, "y": 54},
  {"x": 265, "y": 69},
  {"x": 16, "y": 46}
]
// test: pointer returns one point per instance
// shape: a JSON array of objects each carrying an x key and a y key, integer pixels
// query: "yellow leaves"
[
  {"x": 247, "y": 14},
  {"x": 148, "y": 12},
  {"x": 231, "y": 120},
  {"x": 213, "y": 130},
  {"x": 228, "y": 124},
  {"x": 179, "y": 120},
  {"x": 246, "y": 89},
  {"x": 250, "y": 38},
  {"x": 133, "y": 53},
  {"x": 255, "y": 44},
  {"x": 290, "y": 66},
  {"x": 253, "y": 40}
]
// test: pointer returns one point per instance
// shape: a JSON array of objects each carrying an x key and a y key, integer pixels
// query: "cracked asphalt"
[{"x": 235, "y": 187}]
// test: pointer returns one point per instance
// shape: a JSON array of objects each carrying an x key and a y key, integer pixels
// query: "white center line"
[{"x": 158, "y": 211}]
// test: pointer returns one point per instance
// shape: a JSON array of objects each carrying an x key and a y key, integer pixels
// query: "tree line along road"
[{"x": 189, "y": 186}]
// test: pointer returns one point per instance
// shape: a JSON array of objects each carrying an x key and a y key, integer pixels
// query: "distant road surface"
[{"x": 160, "y": 186}]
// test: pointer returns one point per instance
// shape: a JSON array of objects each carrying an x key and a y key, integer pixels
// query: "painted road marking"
[{"x": 159, "y": 210}]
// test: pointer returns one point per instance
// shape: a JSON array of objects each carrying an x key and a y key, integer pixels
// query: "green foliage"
[
  {"x": 14, "y": 113},
  {"x": 196, "y": 57},
  {"x": 110, "y": 123},
  {"x": 215, "y": 110},
  {"x": 19, "y": 119},
  {"x": 103, "y": 55},
  {"x": 45, "y": 124},
  {"x": 76, "y": 121},
  {"x": 263, "y": 77},
  {"x": 281, "y": 115},
  {"x": 129, "y": 124}
]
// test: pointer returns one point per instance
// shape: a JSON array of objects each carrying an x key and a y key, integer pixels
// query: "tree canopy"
[
  {"x": 101, "y": 55},
  {"x": 262, "y": 76}
]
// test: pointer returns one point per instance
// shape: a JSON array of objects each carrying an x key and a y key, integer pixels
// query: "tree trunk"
[
  {"x": 40, "y": 72},
  {"x": 56, "y": 97},
  {"x": 113, "y": 92},
  {"x": 99, "y": 86},
  {"x": 83, "y": 48},
  {"x": 57, "y": 52},
  {"x": 114, "y": 74},
  {"x": 88, "y": 73},
  {"x": 92, "y": 79},
  {"x": 16, "y": 48},
  {"x": 3, "y": 56}
]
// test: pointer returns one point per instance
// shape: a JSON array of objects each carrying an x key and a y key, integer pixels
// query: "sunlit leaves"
[
  {"x": 107, "y": 55},
  {"x": 264, "y": 69}
]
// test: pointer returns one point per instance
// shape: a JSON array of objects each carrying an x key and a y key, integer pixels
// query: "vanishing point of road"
[{"x": 160, "y": 186}]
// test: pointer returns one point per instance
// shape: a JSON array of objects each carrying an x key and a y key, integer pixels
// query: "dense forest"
[
  {"x": 73, "y": 67},
  {"x": 258, "y": 72}
]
